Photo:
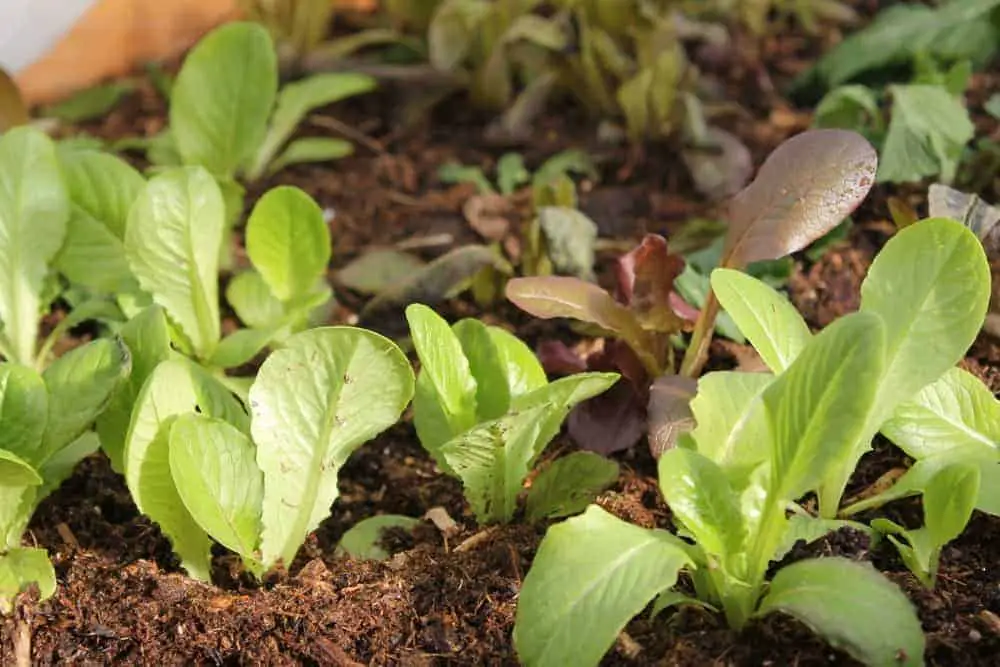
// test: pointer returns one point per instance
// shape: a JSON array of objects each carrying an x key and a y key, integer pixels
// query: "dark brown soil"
[{"x": 450, "y": 599}]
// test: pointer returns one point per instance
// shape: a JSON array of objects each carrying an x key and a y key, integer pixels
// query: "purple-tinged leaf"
[
  {"x": 548, "y": 297},
  {"x": 805, "y": 188},
  {"x": 669, "y": 411},
  {"x": 610, "y": 422},
  {"x": 646, "y": 276},
  {"x": 558, "y": 359}
]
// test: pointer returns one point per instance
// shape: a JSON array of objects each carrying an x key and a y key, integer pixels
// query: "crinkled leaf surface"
[
  {"x": 852, "y": 606},
  {"x": 148, "y": 339},
  {"x": 214, "y": 468},
  {"x": 700, "y": 495},
  {"x": 363, "y": 540},
  {"x": 591, "y": 575},
  {"x": 769, "y": 321},
  {"x": 223, "y": 96},
  {"x": 174, "y": 388},
  {"x": 173, "y": 241},
  {"x": 819, "y": 407},
  {"x": 646, "y": 276},
  {"x": 24, "y": 412},
  {"x": 80, "y": 385},
  {"x": 21, "y": 567},
  {"x": 34, "y": 208},
  {"x": 957, "y": 410},
  {"x": 288, "y": 241},
  {"x": 324, "y": 394},
  {"x": 805, "y": 188},
  {"x": 569, "y": 485}
]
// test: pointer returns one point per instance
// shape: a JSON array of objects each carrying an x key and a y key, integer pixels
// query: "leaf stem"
[{"x": 697, "y": 352}]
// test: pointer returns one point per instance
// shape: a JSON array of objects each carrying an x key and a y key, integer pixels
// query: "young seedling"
[
  {"x": 175, "y": 231},
  {"x": 805, "y": 188},
  {"x": 949, "y": 500},
  {"x": 228, "y": 115},
  {"x": 45, "y": 425},
  {"x": 642, "y": 320},
  {"x": 259, "y": 483},
  {"x": 594, "y": 572},
  {"x": 484, "y": 409},
  {"x": 929, "y": 284}
]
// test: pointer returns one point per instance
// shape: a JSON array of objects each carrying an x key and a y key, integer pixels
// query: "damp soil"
[{"x": 449, "y": 597}]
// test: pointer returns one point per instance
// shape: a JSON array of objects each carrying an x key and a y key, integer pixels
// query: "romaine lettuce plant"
[
  {"x": 44, "y": 433},
  {"x": 594, "y": 572},
  {"x": 227, "y": 114},
  {"x": 175, "y": 231},
  {"x": 930, "y": 284},
  {"x": 484, "y": 409},
  {"x": 202, "y": 468}
]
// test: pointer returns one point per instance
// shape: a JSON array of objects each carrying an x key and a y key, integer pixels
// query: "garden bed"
[{"x": 449, "y": 597}]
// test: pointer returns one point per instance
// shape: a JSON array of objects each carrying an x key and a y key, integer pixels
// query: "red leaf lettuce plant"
[{"x": 803, "y": 190}]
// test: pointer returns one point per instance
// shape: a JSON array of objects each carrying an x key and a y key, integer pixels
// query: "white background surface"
[{"x": 29, "y": 28}]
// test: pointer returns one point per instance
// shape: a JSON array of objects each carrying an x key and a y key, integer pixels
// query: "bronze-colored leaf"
[
  {"x": 805, "y": 188},
  {"x": 13, "y": 111},
  {"x": 646, "y": 279},
  {"x": 669, "y": 411}
]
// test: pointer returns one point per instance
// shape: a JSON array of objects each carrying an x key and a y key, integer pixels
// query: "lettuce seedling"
[
  {"x": 483, "y": 408},
  {"x": 949, "y": 500},
  {"x": 44, "y": 433},
  {"x": 202, "y": 468},
  {"x": 642, "y": 316},
  {"x": 288, "y": 243},
  {"x": 929, "y": 284},
  {"x": 227, "y": 114},
  {"x": 594, "y": 572},
  {"x": 175, "y": 230}
]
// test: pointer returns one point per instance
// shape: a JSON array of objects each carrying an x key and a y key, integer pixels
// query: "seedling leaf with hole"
[
  {"x": 34, "y": 209},
  {"x": 804, "y": 189},
  {"x": 315, "y": 401}
]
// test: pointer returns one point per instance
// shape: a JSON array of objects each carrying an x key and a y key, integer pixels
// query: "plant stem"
[{"x": 697, "y": 352}]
